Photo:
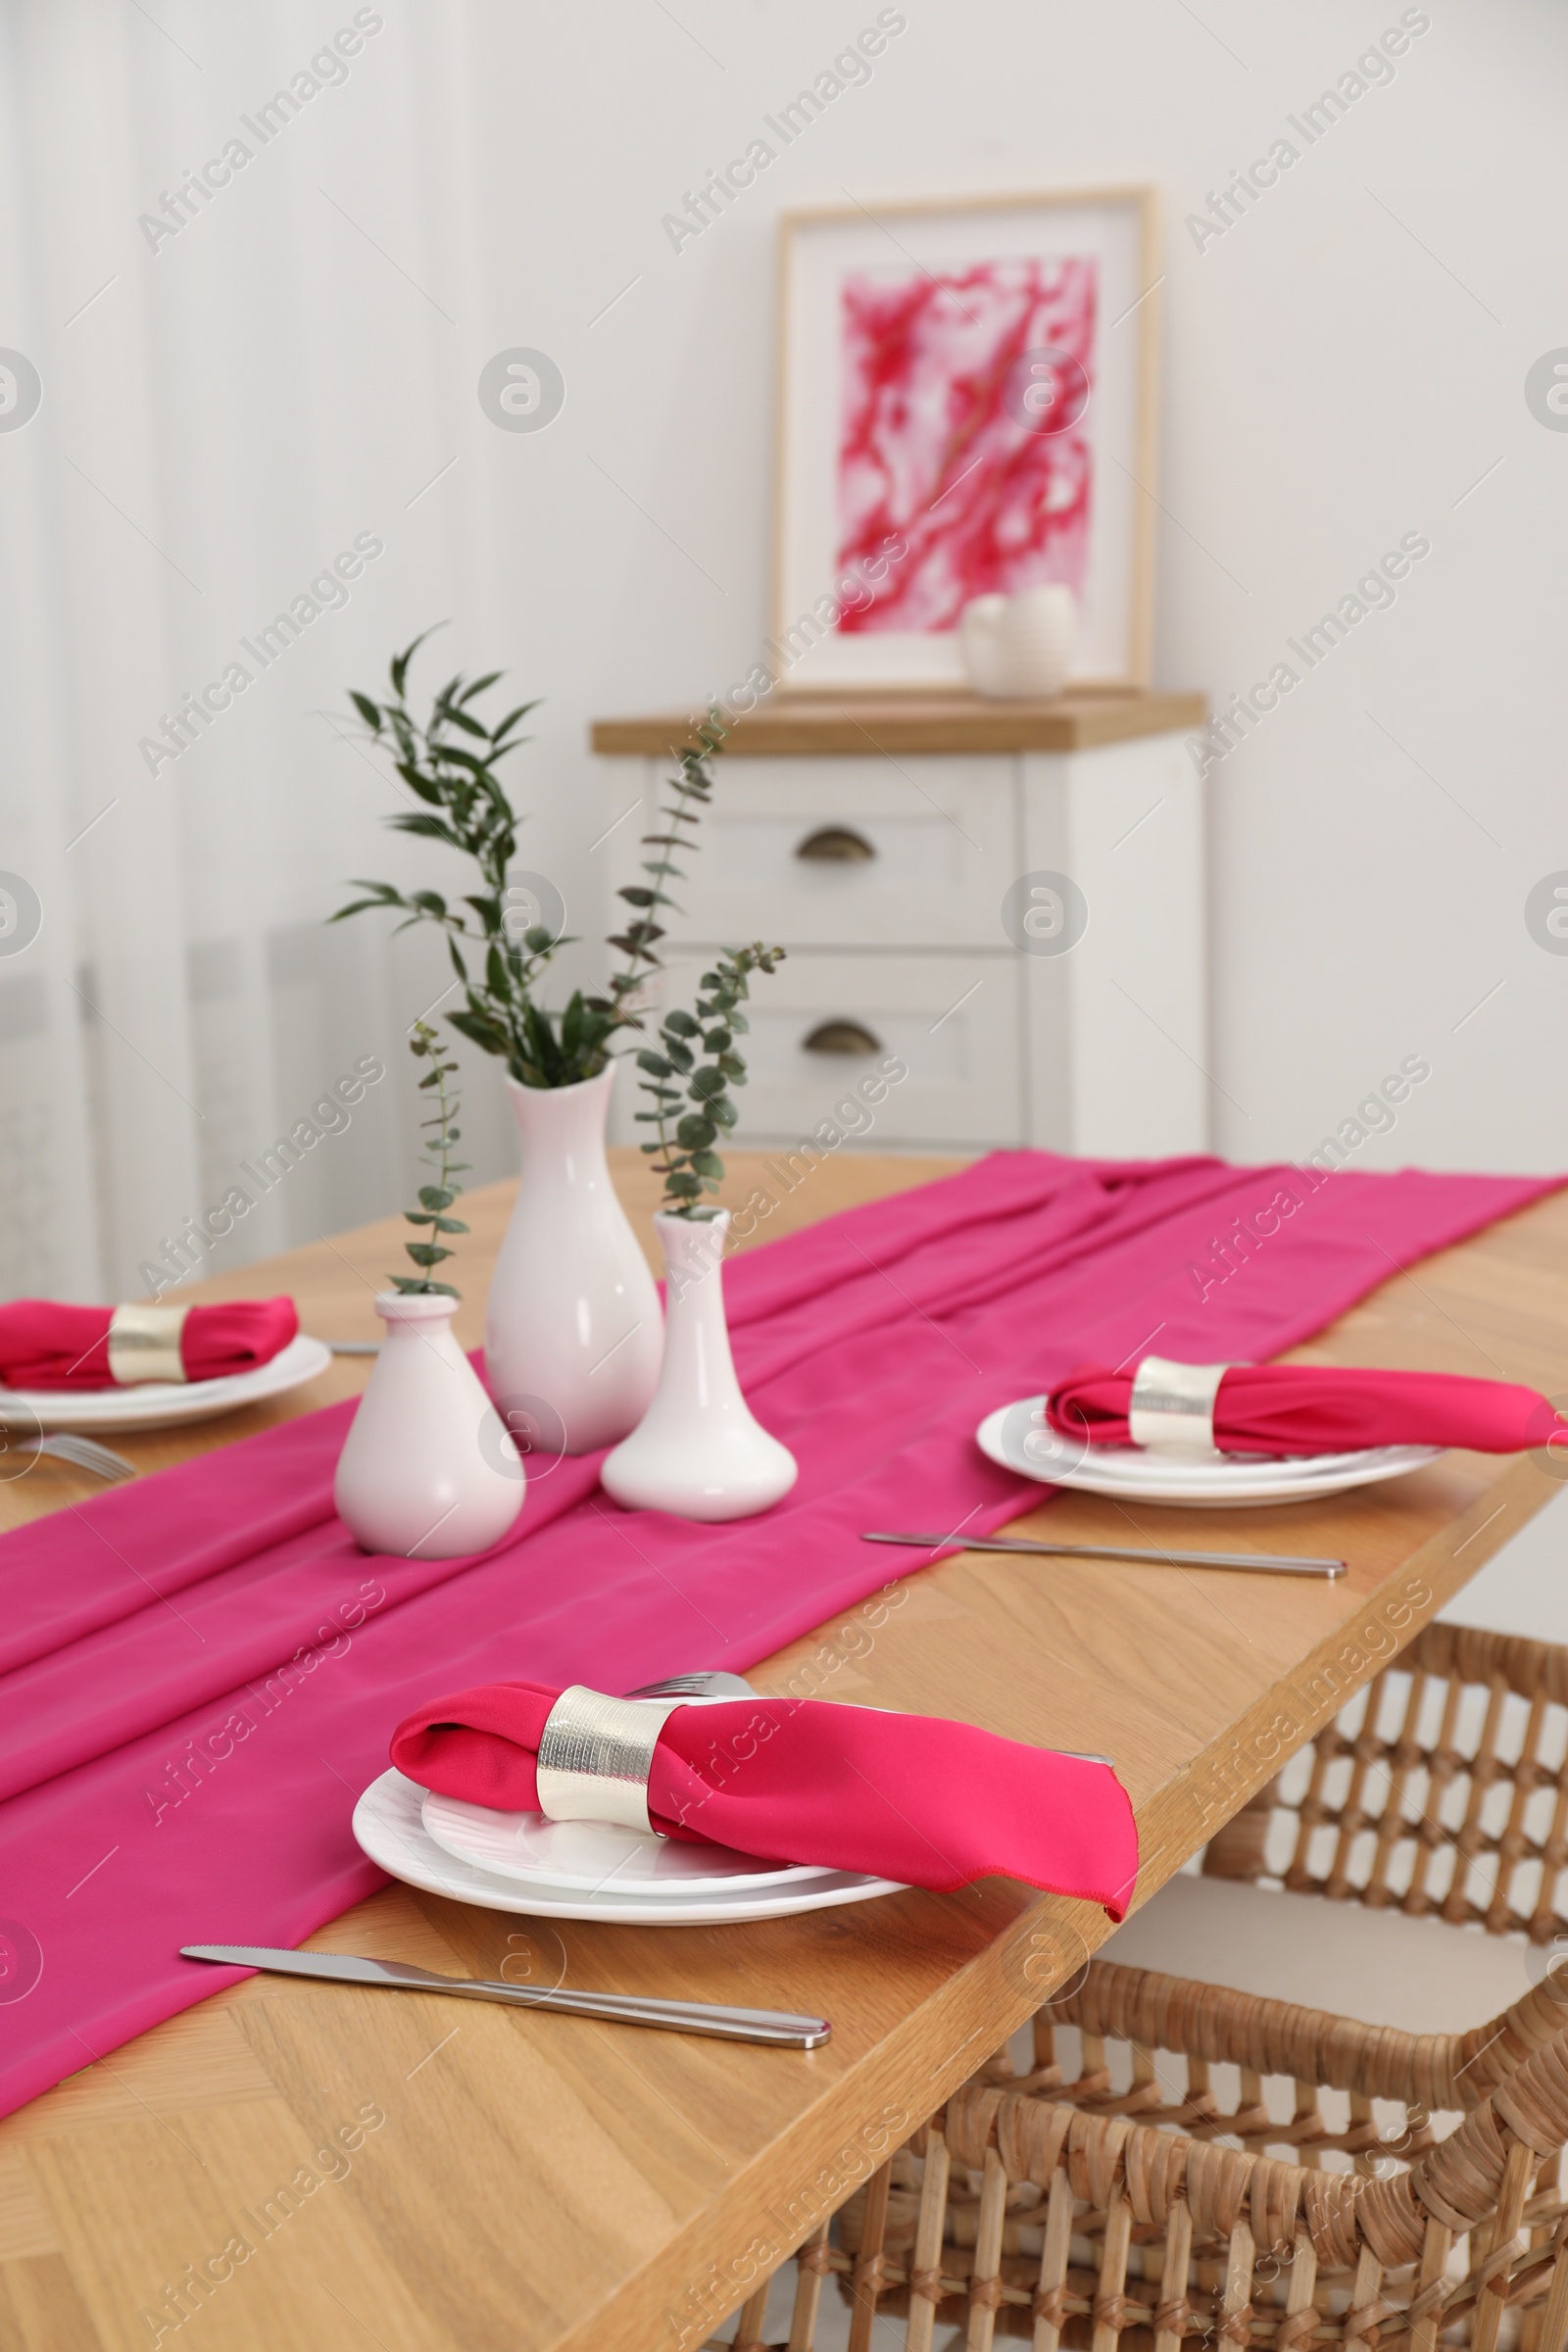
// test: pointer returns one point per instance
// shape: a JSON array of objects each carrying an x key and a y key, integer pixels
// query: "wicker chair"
[{"x": 1117, "y": 2194}]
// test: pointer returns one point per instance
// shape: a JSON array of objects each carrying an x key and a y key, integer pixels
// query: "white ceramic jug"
[
  {"x": 980, "y": 644},
  {"x": 572, "y": 1330},
  {"x": 1020, "y": 647}
]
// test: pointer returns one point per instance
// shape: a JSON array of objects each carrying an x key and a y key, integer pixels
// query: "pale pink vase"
[{"x": 427, "y": 1469}]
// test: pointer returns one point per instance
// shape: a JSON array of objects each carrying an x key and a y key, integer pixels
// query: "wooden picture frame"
[{"x": 907, "y": 333}]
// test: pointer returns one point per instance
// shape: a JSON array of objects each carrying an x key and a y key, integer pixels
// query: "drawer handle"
[
  {"x": 841, "y": 1037},
  {"x": 836, "y": 844}
]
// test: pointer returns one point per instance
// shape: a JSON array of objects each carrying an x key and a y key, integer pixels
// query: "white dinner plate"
[
  {"x": 159, "y": 1403},
  {"x": 596, "y": 1856},
  {"x": 388, "y": 1828},
  {"x": 1019, "y": 1438}
]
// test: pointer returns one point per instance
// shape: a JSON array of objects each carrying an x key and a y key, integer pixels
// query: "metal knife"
[
  {"x": 777, "y": 2027},
  {"x": 1270, "y": 1563}
]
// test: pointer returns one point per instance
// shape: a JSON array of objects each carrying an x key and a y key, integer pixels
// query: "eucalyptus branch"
[
  {"x": 692, "y": 790},
  {"x": 697, "y": 1067},
  {"x": 434, "y": 1198},
  {"x": 449, "y": 762},
  {"x": 467, "y": 808}
]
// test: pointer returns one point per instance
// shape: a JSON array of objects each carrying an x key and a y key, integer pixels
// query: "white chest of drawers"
[{"x": 918, "y": 858}]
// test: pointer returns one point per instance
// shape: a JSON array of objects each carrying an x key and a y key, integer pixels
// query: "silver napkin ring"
[
  {"x": 595, "y": 1755},
  {"x": 144, "y": 1344},
  {"x": 1172, "y": 1407}
]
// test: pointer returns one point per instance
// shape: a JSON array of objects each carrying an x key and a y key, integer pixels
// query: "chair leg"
[
  {"x": 869, "y": 2263},
  {"x": 985, "y": 2279},
  {"x": 812, "y": 2268},
  {"x": 749, "y": 2333},
  {"x": 925, "y": 2268}
]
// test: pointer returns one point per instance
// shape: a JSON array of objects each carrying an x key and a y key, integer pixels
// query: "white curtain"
[{"x": 271, "y": 394}]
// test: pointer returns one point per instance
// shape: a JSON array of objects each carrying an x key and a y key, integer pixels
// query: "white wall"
[{"x": 1342, "y": 367}]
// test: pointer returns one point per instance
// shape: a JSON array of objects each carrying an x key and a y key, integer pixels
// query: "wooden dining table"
[{"x": 524, "y": 2181}]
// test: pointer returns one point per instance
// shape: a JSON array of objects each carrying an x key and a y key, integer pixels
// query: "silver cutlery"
[
  {"x": 779, "y": 2028},
  {"x": 82, "y": 1453},
  {"x": 710, "y": 1685},
  {"x": 1276, "y": 1563},
  {"x": 355, "y": 1346}
]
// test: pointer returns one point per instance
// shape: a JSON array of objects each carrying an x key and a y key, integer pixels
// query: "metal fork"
[
  {"x": 712, "y": 1685},
  {"x": 83, "y": 1453}
]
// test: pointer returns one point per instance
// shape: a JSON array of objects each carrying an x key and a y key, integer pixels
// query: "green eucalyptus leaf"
[
  {"x": 432, "y": 828},
  {"x": 512, "y": 718}
]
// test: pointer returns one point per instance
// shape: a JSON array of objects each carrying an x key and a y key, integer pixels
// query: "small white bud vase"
[
  {"x": 572, "y": 1330},
  {"x": 428, "y": 1469},
  {"x": 697, "y": 1452}
]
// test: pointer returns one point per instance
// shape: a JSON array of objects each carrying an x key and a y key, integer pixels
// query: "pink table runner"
[{"x": 200, "y": 1672}]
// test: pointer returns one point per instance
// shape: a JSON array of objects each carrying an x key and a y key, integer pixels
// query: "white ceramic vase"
[
  {"x": 1020, "y": 647},
  {"x": 428, "y": 1469},
  {"x": 572, "y": 1330},
  {"x": 697, "y": 1452}
]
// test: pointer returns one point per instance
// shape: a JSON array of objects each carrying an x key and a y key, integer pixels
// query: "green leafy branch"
[
  {"x": 434, "y": 1198},
  {"x": 467, "y": 809},
  {"x": 449, "y": 762},
  {"x": 690, "y": 1079},
  {"x": 692, "y": 788}
]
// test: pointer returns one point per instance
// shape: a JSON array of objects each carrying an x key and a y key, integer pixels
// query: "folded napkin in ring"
[
  {"x": 595, "y": 1754},
  {"x": 144, "y": 1344},
  {"x": 1300, "y": 1409},
  {"x": 910, "y": 1797},
  {"x": 1173, "y": 1405},
  {"x": 46, "y": 1345}
]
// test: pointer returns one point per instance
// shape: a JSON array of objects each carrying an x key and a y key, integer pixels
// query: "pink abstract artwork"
[{"x": 941, "y": 438}]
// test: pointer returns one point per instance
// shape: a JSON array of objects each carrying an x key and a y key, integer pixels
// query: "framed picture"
[{"x": 967, "y": 407}]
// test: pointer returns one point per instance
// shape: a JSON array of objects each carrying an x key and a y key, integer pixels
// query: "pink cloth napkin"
[
  {"x": 200, "y": 1671},
  {"x": 45, "y": 1346},
  {"x": 899, "y": 1796},
  {"x": 1317, "y": 1408}
]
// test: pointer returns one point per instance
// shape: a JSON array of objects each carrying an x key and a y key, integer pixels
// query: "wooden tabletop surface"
[{"x": 496, "y": 2182}]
